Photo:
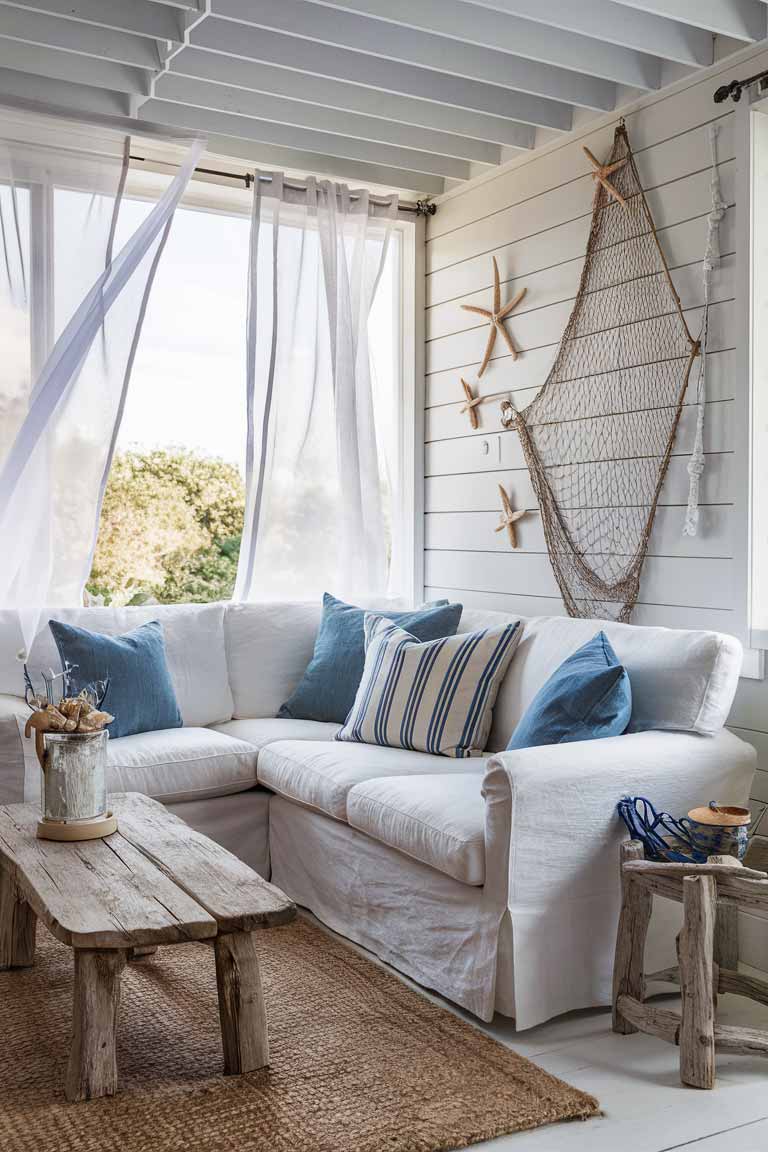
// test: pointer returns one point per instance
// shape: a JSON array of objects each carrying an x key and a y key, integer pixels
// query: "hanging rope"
[{"x": 711, "y": 259}]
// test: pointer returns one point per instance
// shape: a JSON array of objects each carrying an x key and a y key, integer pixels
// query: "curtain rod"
[{"x": 423, "y": 207}]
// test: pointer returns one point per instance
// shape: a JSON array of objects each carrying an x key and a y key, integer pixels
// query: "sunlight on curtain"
[
  {"x": 79, "y": 300},
  {"x": 315, "y": 479}
]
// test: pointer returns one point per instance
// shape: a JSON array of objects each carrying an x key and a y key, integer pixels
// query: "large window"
[{"x": 173, "y": 509}]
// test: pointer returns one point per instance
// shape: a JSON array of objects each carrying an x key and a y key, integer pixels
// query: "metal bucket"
[{"x": 74, "y": 776}]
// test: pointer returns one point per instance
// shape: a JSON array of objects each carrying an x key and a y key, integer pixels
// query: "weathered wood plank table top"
[{"x": 154, "y": 881}]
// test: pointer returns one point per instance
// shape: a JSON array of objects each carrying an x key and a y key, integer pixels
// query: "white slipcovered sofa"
[{"x": 491, "y": 880}]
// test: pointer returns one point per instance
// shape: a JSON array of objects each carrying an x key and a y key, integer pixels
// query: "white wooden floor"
[{"x": 636, "y": 1080}]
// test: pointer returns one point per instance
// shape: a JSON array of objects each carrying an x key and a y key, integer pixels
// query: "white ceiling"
[{"x": 410, "y": 94}]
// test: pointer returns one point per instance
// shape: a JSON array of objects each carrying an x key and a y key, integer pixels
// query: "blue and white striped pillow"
[{"x": 436, "y": 696}]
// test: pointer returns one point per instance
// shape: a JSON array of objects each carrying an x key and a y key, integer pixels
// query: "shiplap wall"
[{"x": 534, "y": 216}]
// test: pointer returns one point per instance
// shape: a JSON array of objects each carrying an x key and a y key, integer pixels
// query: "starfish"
[
  {"x": 603, "y": 171},
  {"x": 496, "y": 316},
  {"x": 470, "y": 403},
  {"x": 509, "y": 517}
]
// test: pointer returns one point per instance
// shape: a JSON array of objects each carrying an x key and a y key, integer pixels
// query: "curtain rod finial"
[{"x": 425, "y": 207}]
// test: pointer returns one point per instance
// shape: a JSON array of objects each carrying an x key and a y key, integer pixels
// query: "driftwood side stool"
[{"x": 707, "y": 951}]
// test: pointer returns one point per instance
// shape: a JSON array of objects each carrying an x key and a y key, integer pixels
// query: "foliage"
[{"x": 170, "y": 529}]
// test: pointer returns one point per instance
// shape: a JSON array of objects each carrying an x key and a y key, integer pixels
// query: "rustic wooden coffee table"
[{"x": 154, "y": 881}]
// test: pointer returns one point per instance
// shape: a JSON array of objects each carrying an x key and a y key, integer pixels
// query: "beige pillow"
[{"x": 434, "y": 697}]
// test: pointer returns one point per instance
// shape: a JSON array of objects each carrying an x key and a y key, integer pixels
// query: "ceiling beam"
[
  {"x": 327, "y": 93},
  {"x": 627, "y": 27},
  {"x": 66, "y": 66},
  {"x": 302, "y": 56},
  {"x": 741, "y": 19},
  {"x": 287, "y": 159},
  {"x": 79, "y": 98},
  {"x": 471, "y": 24},
  {"x": 221, "y": 98},
  {"x": 360, "y": 34},
  {"x": 84, "y": 39},
  {"x": 300, "y": 139},
  {"x": 142, "y": 17}
]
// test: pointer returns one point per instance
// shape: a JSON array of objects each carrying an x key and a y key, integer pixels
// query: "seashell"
[
  {"x": 57, "y": 721},
  {"x": 70, "y": 724},
  {"x": 94, "y": 721}
]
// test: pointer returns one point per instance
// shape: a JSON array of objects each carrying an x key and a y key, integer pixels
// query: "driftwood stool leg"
[
  {"x": 727, "y": 935},
  {"x": 636, "y": 906},
  {"x": 92, "y": 1069},
  {"x": 241, "y": 1003},
  {"x": 697, "y": 982},
  {"x": 18, "y": 925}
]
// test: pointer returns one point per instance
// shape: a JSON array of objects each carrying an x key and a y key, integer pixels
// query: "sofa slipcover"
[
  {"x": 180, "y": 764},
  {"x": 269, "y": 729},
  {"x": 320, "y": 774},
  {"x": 442, "y": 826}
]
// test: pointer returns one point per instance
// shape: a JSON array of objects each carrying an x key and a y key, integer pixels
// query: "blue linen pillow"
[
  {"x": 140, "y": 695},
  {"x": 587, "y": 698},
  {"x": 327, "y": 689}
]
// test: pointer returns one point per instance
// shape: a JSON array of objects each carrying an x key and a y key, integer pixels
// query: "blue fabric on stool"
[
  {"x": 587, "y": 698},
  {"x": 140, "y": 695},
  {"x": 327, "y": 689}
]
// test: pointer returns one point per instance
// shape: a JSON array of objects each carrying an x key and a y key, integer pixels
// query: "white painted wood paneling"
[{"x": 534, "y": 215}]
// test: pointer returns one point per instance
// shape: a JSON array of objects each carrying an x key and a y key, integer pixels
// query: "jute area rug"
[{"x": 359, "y": 1061}]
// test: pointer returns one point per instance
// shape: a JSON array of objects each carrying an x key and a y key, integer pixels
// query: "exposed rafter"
[
  {"x": 322, "y": 25},
  {"x": 288, "y": 136},
  {"x": 218, "y": 98},
  {"x": 480, "y": 26},
  {"x": 82, "y": 39},
  {"x": 233, "y": 39},
  {"x": 311, "y": 89},
  {"x": 606, "y": 21},
  {"x": 742, "y": 19},
  {"x": 142, "y": 17}
]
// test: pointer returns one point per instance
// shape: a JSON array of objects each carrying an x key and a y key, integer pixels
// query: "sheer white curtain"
[
  {"x": 315, "y": 516},
  {"x": 71, "y": 309}
]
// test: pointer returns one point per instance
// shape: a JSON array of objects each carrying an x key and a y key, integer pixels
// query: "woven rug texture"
[{"x": 359, "y": 1061}]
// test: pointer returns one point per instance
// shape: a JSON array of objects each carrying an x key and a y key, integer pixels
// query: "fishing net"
[{"x": 598, "y": 436}]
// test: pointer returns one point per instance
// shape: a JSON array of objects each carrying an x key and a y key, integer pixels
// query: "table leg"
[
  {"x": 18, "y": 924},
  {"x": 697, "y": 982},
  {"x": 241, "y": 1003},
  {"x": 92, "y": 1069}
]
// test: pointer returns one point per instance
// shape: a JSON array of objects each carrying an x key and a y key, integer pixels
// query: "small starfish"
[
  {"x": 603, "y": 171},
  {"x": 471, "y": 403},
  {"x": 509, "y": 517},
  {"x": 496, "y": 317}
]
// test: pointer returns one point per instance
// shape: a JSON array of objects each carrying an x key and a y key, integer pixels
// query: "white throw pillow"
[{"x": 434, "y": 697}]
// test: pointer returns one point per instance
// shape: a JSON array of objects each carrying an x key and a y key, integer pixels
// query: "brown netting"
[{"x": 598, "y": 436}]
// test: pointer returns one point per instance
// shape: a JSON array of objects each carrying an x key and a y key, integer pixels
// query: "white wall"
[{"x": 534, "y": 216}]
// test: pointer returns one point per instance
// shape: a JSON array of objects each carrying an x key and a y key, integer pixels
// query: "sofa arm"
[
  {"x": 13, "y": 710},
  {"x": 552, "y": 834}
]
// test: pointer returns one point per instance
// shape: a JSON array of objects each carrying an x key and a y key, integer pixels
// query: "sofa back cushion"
[
  {"x": 194, "y": 645},
  {"x": 682, "y": 681},
  {"x": 269, "y": 646},
  {"x": 268, "y": 649}
]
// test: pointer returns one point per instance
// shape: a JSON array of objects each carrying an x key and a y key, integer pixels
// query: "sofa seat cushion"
[
  {"x": 320, "y": 774},
  {"x": 268, "y": 730},
  {"x": 437, "y": 820},
  {"x": 180, "y": 764}
]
